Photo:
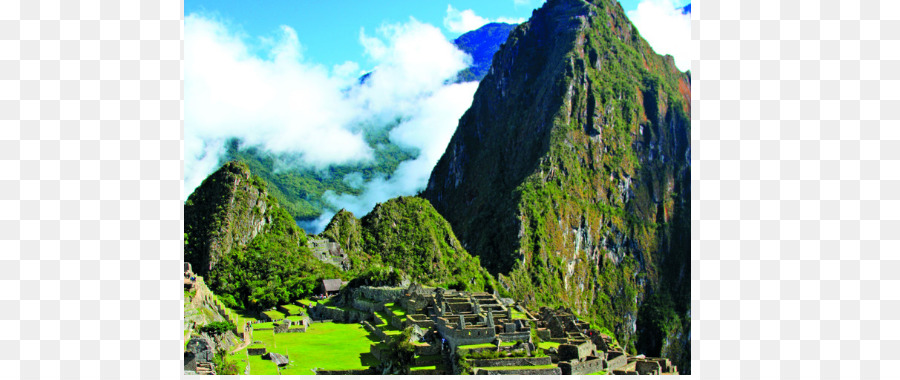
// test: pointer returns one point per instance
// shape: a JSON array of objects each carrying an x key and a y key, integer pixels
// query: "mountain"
[
  {"x": 245, "y": 244},
  {"x": 569, "y": 175},
  {"x": 408, "y": 234},
  {"x": 301, "y": 189},
  {"x": 481, "y": 44}
]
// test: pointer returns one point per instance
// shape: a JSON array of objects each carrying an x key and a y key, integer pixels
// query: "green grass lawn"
[
  {"x": 304, "y": 302},
  {"x": 598, "y": 373},
  {"x": 483, "y": 345},
  {"x": 274, "y": 315},
  {"x": 518, "y": 314},
  {"x": 263, "y": 326},
  {"x": 330, "y": 346},
  {"x": 293, "y": 309},
  {"x": 548, "y": 345},
  {"x": 294, "y": 318}
]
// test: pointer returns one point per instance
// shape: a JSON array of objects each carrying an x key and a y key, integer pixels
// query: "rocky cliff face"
[
  {"x": 569, "y": 174},
  {"x": 227, "y": 210}
]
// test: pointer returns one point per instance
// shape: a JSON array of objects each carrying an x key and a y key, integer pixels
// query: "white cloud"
[
  {"x": 458, "y": 21},
  {"x": 279, "y": 103},
  {"x": 287, "y": 105},
  {"x": 429, "y": 130},
  {"x": 668, "y": 31}
]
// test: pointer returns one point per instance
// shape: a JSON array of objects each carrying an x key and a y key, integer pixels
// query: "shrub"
[{"x": 216, "y": 328}]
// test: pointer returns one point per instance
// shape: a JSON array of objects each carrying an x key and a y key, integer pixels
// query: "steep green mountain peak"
[{"x": 569, "y": 175}]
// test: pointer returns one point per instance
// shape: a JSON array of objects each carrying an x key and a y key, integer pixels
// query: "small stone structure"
[
  {"x": 279, "y": 359},
  {"x": 576, "y": 350},
  {"x": 591, "y": 364},
  {"x": 331, "y": 286}
]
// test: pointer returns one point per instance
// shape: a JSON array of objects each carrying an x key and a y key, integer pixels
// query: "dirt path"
[{"x": 245, "y": 343}]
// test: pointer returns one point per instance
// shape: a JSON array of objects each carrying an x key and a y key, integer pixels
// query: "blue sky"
[{"x": 328, "y": 31}]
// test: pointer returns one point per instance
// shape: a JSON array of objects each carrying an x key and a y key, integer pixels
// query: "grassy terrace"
[
  {"x": 264, "y": 326},
  {"x": 396, "y": 309},
  {"x": 274, "y": 315},
  {"x": 484, "y": 345},
  {"x": 518, "y": 314},
  {"x": 294, "y": 318},
  {"x": 598, "y": 373},
  {"x": 293, "y": 309},
  {"x": 258, "y": 365},
  {"x": 331, "y": 346},
  {"x": 548, "y": 345}
]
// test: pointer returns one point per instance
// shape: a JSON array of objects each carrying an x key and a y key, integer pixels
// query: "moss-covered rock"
[{"x": 408, "y": 234}]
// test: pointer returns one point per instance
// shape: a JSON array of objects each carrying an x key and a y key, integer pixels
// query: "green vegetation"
[
  {"x": 330, "y": 346},
  {"x": 273, "y": 268},
  {"x": 301, "y": 188},
  {"x": 216, "y": 328},
  {"x": 274, "y": 315},
  {"x": 598, "y": 373},
  {"x": 407, "y": 234},
  {"x": 264, "y": 326},
  {"x": 293, "y": 309},
  {"x": 546, "y": 344},
  {"x": 225, "y": 365},
  {"x": 401, "y": 353},
  {"x": 592, "y": 206}
]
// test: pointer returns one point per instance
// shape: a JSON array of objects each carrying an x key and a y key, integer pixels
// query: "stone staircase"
[{"x": 206, "y": 369}]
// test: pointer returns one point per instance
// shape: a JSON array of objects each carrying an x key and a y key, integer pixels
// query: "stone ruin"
[
  {"x": 329, "y": 252},
  {"x": 583, "y": 350}
]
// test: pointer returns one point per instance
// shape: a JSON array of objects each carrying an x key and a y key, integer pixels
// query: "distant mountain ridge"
[{"x": 482, "y": 44}]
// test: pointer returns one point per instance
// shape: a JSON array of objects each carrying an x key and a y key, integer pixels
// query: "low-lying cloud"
[
  {"x": 668, "y": 31},
  {"x": 286, "y": 104},
  {"x": 458, "y": 21}
]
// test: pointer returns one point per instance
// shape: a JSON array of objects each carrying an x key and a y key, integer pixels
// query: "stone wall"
[
  {"x": 590, "y": 365},
  {"x": 376, "y": 320},
  {"x": 380, "y": 294},
  {"x": 616, "y": 359},
  {"x": 573, "y": 351},
  {"x": 378, "y": 353},
  {"x": 256, "y": 351},
  {"x": 544, "y": 334},
  {"x": 365, "y": 305},
  {"x": 427, "y": 349},
  {"x": 422, "y": 321},
  {"x": 524, "y": 336},
  {"x": 545, "y": 371},
  {"x": 647, "y": 367},
  {"x": 322, "y": 312},
  {"x": 368, "y": 371},
  {"x": 425, "y": 372},
  {"x": 374, "y": 330},
  {"x": 508, "y": 362}
]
